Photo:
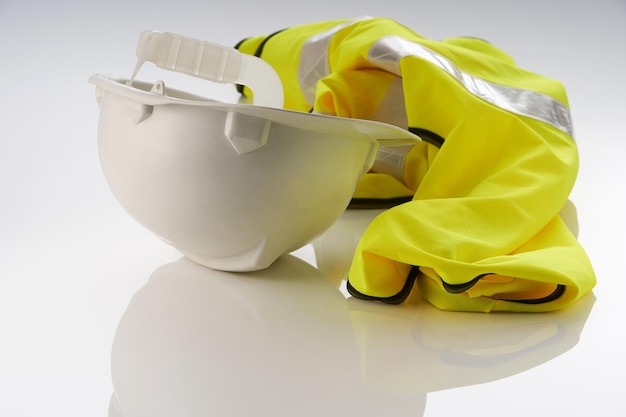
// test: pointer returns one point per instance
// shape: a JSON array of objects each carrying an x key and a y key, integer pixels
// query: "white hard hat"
[{"x": 231, "y": 186}]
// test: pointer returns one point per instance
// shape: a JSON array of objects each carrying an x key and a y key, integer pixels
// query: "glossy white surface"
[{"x": 92, "y": 304}]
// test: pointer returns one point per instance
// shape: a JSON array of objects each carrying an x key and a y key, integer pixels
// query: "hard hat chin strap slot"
[{"x": 210, "y": 61}]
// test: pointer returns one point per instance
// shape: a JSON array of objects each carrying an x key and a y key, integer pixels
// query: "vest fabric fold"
[{"x": 478, "y": 229}]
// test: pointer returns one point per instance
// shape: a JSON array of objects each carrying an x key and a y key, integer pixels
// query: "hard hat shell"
[{"x": 231, "y": 186}]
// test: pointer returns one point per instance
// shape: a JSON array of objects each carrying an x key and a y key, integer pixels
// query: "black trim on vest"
[
  {"x": 402, "y": 295},
  {"x": 259, "y": 49},
  {"x": 240, "y": 42},
  {"x": 377, "y": 203},
  {"x": 460, "y": 288},
  {"x": 428, "y": 136},
  {"x": 394, "y": 299}
]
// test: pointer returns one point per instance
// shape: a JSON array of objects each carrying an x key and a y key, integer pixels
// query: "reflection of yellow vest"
[{"x": 497, "y": 163}]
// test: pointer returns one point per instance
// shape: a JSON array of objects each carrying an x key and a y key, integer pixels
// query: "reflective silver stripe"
[
  {"x": 314, "y": 59},
  {"x": 387, "y": 53}
]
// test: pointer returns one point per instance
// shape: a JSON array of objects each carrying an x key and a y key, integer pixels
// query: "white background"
[{"x": 71, "y": 259}]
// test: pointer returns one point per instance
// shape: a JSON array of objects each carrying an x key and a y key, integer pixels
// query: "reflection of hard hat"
[
  {"x": 195, "y": 342},
  {"x": 232, "y": 186}
]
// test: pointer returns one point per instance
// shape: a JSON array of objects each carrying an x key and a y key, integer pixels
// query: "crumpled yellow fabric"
[{"x": 481, "y": 231}]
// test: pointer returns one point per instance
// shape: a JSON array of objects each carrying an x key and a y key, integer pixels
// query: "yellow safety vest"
[{"x": 480, "y": 229}]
